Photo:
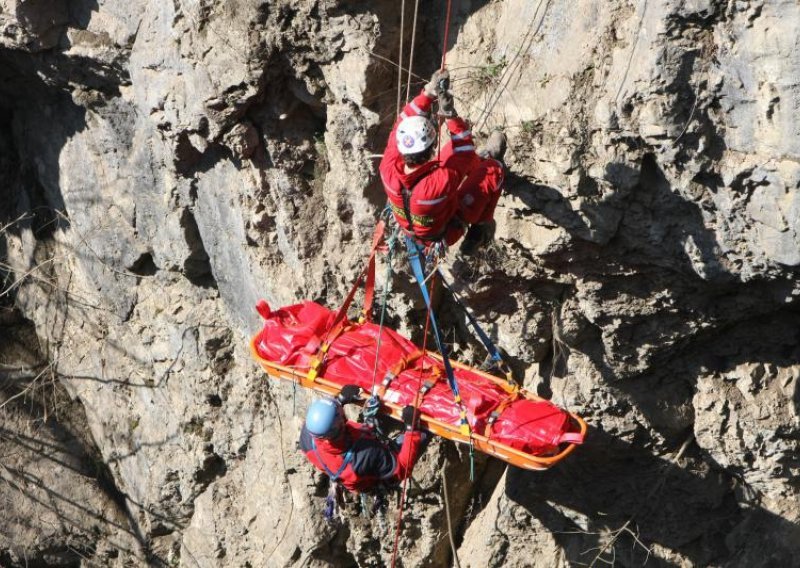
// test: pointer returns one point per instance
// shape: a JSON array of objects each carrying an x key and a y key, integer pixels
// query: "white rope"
[
  {"x": 400, "y": 55},
  {"x": 411, "y": 51}
]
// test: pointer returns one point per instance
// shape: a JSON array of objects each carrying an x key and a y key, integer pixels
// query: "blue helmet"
[{"x": 324, "y": 418}]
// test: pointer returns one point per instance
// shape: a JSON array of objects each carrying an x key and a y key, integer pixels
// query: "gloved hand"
[
  {"x": 371, "y": 407},
  {"x": 447, "y": 105},
  {"x": 349, "y": 393},
  {"x": 432, "y": 86},
  {"x": 408, "y": 415}
]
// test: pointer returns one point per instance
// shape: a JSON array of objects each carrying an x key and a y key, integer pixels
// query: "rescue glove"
[
  {"x": 447, "y": 106},
  {"x": 409, "y": 414},
  {"x": 372, "y": 406},
  {"x": 432, "y": 86},
  {"x": 349, "y": 393}
]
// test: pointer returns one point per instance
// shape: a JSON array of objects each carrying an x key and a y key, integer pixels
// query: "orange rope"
[{"x": 446, "y": 33}]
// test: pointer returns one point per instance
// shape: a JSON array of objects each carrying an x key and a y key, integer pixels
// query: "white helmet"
[{"x": 414, "y": 134}]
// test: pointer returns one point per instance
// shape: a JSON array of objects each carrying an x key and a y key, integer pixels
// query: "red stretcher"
[{"x": 310, "y": 345}]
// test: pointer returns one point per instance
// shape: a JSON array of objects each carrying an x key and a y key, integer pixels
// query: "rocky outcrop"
[{"x": 166, "y": 164}]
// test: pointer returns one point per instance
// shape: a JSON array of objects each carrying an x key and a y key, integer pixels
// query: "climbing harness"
[
  {"x": 348, "y": 457},
  {"x": 331, "y": 510},
  {"x": 412, "y": 220}
]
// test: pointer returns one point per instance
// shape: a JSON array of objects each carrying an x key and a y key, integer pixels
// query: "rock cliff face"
[{"x": 165, "y": 164}]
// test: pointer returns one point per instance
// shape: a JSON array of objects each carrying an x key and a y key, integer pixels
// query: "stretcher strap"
[
  {"x": 377, "y": 237},
  {"x": 340, "y": 322},
  {"x": 426, "y": 388},
  {"x": 396, "y": 369},
  {"x": 572, "y": 437},
  {"x": 494, "y": 353},
  {"x": 369, "y": 287},
  {"x": 416, "y": 266},
  {"x": 498, "y": 411},
  {"x": 315, "y": 368}
]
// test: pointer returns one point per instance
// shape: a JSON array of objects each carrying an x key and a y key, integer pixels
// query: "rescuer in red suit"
[
  {"x": 434, "y": 198},
  {"x": 349, "y": 452}
]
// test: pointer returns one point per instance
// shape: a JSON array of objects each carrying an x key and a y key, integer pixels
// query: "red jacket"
[
  {"x": 370, "y": 462},
  {"x": 480, "y": 192},
  {"x": 434, "y": 186}
]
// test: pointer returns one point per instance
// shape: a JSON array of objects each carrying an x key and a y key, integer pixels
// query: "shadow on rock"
[
  {"x": 549, "y": 202},
  {"x": 57, "y": 439},
  {"x": 613, "y": 500},
  {"x": 662, "y": 227}
]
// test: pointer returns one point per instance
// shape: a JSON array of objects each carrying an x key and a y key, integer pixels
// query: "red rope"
[
  {"x": 399, "y": 523},
  {"x": 446, "y": 33}
]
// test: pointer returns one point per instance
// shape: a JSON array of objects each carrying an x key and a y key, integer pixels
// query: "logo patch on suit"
[{"x": 408, "y": 141}]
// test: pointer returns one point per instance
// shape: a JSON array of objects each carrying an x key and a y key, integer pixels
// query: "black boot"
[
  {"x": 478, "y": 235},
  {"x": 495, "y": 146}
]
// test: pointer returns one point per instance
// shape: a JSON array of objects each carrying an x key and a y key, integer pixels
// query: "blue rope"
[
  {"x": 419, "y": 275},
  {"x": 494, "y": 353}
]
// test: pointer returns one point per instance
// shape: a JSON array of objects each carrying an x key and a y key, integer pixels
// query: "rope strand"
[
  {"x": 446, "y": 33},
  {"x": 411, "y": 51},
  {"x": 404, "y": 492},
  {"x": 449, "y": 522},
  {"x": 400, "y": 56},
  {"x": 399, "y": 523},
  {"x": 383, "y": 311}
]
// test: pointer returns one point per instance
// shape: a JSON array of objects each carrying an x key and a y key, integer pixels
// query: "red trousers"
[{"x": 478, "y": 195}]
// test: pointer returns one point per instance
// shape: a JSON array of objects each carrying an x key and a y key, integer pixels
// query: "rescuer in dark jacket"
[{"x": 349, "y": 452}]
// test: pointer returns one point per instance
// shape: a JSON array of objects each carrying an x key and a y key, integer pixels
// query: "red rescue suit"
[
  {"x": 480, "y": 192},
  {"x": 434, "y": 185},
  {"x": 456, "y": 187},
  {"x": 358, "y": 460}
]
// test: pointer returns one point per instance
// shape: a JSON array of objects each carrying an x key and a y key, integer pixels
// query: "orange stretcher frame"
[{"x": 449, "y": 431}]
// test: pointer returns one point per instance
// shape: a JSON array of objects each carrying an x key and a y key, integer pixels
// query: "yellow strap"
[
  {"x": 464, "y": 428},
  {"x": 313, "y": 370},
  {"x": 316, "y": 362}
]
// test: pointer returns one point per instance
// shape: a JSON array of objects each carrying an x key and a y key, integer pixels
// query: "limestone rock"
[{"x": 163, "y": 165}]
